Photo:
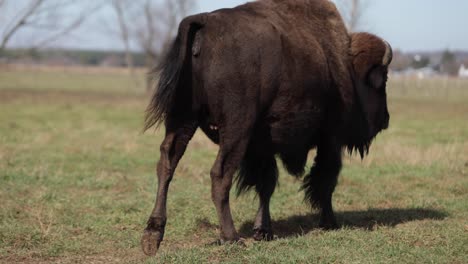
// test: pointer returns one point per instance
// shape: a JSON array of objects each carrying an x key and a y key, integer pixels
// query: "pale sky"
[{"x": 409, "y": 25}]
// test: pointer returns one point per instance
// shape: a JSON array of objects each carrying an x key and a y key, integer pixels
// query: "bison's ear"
[{"x": 371, "y": 56}]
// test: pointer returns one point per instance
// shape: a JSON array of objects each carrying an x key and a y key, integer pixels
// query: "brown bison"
[{"x": 271, "y": 77}]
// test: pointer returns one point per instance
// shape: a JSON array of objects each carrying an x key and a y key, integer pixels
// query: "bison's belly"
[{"x": 296, "y": 130}]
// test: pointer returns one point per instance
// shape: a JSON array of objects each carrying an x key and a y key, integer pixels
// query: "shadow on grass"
[{"x": 366, "y": 220}]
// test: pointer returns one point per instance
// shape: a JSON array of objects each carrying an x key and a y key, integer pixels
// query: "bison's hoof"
[
  {"x": 150, "y": 242},
  {"x": 262, "y": 235}
]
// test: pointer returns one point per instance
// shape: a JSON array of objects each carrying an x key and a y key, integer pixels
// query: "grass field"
[{"x": 77, "y": 182}]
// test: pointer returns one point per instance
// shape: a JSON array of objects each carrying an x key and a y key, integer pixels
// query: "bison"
[{"x": 265, "y": 79}]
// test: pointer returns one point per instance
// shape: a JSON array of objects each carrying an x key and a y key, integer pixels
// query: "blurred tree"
[
  {"x": 52, "y": 19},
  {"x": 124, "y": 32},
  {"x": 448, "y": 63},
  {"x": 447, "y": 57},
  {"x": 352, "y": 12},
  {"x": 400, "y": 61},
  {"x": 149, "y": 25},
  {"x": 420, "y": 62}
]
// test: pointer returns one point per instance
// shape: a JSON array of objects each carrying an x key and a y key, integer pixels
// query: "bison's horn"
[{"x": 387, "y": 58}]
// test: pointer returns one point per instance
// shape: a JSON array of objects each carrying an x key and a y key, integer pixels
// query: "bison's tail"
[{"x": 174, "y": 70}]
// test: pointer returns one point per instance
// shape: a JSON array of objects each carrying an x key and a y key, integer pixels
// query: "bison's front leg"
[
  {"x": 172, "y": 149},
  {"x": 320, "y": 183}
]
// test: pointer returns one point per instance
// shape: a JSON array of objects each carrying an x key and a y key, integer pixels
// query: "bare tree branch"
[
  {"x": 50, "y": 17},
  {"x": 355, "y": 15},
  {"x": 70, "y": 27},
  {"x": 62, "y": 32},
  {"x": 149, "y": 24},
  {"x": 118, "y": 6},
  {"x": 29, "y": 11},
  {"x": 353, "y": 12},
  {"x": 159, "y": 27},
  {"x": 49, "y": 5}
]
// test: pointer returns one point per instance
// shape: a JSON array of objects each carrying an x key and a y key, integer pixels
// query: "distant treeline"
[
  {"x": 65, "y": 57},
  {"x": 437, "y": 62}
]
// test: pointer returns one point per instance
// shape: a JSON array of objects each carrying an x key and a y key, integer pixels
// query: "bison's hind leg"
[
  {"x": 258, "y": 169},
  {"x": 320, "y": 183},
  {"x": 178, "y": 135}
]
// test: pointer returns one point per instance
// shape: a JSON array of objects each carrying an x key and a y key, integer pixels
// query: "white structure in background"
[
  {"x": 463, "y": 72},
  {"x": 423, "y": 73}
]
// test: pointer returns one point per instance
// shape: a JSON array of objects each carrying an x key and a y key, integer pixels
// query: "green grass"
[{"x": 77, "y": 183}]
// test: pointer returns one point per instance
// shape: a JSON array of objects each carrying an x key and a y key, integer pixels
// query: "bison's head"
[{"x": 371, "y": 57}]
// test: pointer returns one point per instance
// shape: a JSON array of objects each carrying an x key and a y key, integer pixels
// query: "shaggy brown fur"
[{"x": 268, "y": 78}]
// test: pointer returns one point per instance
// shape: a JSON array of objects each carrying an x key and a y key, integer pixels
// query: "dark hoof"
[
  {"x": 150, "y": 242},
  {"x": 262, "y": 235}
]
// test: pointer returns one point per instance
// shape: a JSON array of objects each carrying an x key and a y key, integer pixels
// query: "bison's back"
[{"x": 273, "y": 56}]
